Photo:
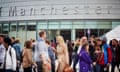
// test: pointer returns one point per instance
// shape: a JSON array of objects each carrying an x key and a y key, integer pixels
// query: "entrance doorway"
[{"x": 66, "y": 34}]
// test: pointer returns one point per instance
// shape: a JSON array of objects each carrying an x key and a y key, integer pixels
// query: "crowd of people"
[{"x": 82, "y": 55}]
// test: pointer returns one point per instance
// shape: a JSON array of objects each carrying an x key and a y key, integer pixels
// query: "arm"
[
  {"x": 43, "y": 53},
  {"x": 86, "y": 57},
  {"x": 51, "y": 53},
  {"x": 54, "y": 50},
  {"x": 109, "y": 55},
  {"x": 79, "y": 49},
  {"x": 66, "y": 53}
]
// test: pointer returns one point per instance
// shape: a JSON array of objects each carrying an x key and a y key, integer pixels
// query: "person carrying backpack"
[
  {"x": 17, "y": 48},
  {"x": 10, "y": 56}
]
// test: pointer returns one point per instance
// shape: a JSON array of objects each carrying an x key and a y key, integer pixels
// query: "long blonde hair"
[
  {"x": 61, "y": 39},
  {"x": 64, "y": 46}
]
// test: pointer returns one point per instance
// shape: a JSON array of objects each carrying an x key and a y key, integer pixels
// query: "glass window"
[
  {"x": 104, "y": 25},
  {"x": 66, "y": 22},
  {"x": 92, "y": 32},
  {"x": 78, "y": 25},
  {"x": 21, "y": 26},
  {"x": 13, "y": 26},
  {"x": 31, "y": 26},
  {"x": 5, "y": 28},
  {"x": 53, "y": 25},
  {"x": 42, "y": 25},
  {"x": 22, "y": 34},
  {"x": 91, "y": 25},
  {"x": 115, "y": 24},
  {"x": 66, "y": 34},
  {"x": 103, "y": 31},
  {"x": 31, "y": 22},
  {"x": 79, "y": 33},
  {"x": 65, "y": 25}
]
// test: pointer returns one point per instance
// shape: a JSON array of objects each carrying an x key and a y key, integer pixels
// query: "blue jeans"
[
  {"x": 75, "y": 60},
  {"x": 29, "y": 69},
  {"x": 113, "y": 66},
  {"x": 8, "y": 70},
  {"x": 97, "y": 68},
  {"x": 39, "y": 67}
]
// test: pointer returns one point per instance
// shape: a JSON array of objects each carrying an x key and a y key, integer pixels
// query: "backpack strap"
[{"x": 11, "y": 54}]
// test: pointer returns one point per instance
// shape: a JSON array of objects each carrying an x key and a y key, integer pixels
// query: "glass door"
[{"x": 66, "y": 34}]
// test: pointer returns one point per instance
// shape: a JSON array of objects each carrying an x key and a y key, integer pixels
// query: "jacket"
[
  {"x": 41, "y": 49},
  {"x": 2, "y": 55},
  {"x": 85, "y": 61},
  {"x": 106, "y": 55},
  {"x": 10, "y": 59},
  {"x": 118, "y": 55},
  {"x": 17, "y": 48},
  {"x": 27, "y": 58}
]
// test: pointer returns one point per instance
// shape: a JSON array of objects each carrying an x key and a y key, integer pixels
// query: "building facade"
[{"x": 70, "y": 18}]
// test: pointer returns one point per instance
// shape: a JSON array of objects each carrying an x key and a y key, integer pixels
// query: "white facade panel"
[{"x": 58, "y": 9}]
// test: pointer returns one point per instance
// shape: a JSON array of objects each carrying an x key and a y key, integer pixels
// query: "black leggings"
[
  {"x": 113, "y": 67},
  {"x": 102, "y": 68},
  {"x": 29, "y": 69}
]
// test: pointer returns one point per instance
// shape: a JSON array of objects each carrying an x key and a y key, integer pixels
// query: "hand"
[
  {"x": 35, "y": 64},
  {"x": 94, "y": 63},
  {"x": 49, "y": 60},
  {"x": 108, "y": 64},
  {"x": 18, "y": 61},
  {"x": 48, "y": 65},
  {"x": 54, "y": 50}
]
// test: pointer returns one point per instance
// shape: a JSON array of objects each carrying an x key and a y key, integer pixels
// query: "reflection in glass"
[
  {"x": 31, "y": 27},
  {"x": 13, "y": 26},
  {"x": 21, "y": 26},
  {"x": 5, "y": 28}
]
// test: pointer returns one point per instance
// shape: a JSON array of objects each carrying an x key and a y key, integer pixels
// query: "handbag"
[
  {"x": 99, "y": 58},
  {"x": 68, "y": 69}
]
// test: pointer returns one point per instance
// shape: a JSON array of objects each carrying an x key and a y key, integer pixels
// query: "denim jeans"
[
  {"x": 75, "y": 60},
  {"x": 1, "y": 70},
  {"x": 8, "y": 70},
  {"x": 29, "y": 69},
  {"x": 97, "y": 68},
  {"x": 113, "y": 66},
  {"x": 39, "y": 67}
]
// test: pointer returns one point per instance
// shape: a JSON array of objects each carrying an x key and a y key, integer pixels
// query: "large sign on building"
[{"x": 19, "y": 11}]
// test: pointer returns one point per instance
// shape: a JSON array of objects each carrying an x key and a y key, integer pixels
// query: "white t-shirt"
[{"x": 79, "y": 49}]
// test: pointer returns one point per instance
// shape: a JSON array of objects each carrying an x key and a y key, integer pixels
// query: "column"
[{"x": 73, "y": 34}]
